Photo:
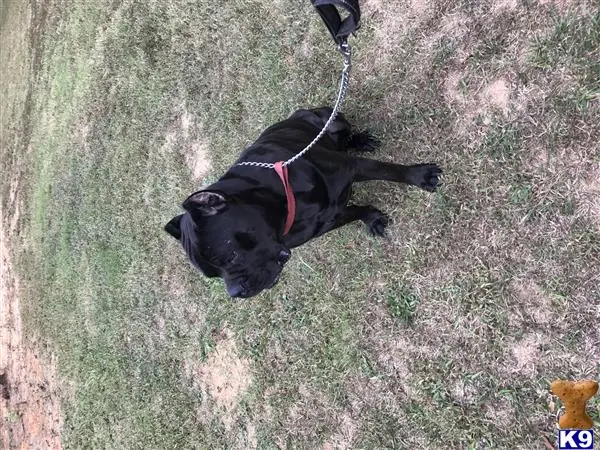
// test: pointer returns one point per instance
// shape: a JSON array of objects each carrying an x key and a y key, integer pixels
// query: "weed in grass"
[
  {"x": 444, "y": 51},
  {"x": 402, "y": 304},
  {"x": 502, "y": 143},
  {"x": 519, "y": 194}
]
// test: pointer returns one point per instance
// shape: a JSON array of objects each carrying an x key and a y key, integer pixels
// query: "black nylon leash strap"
[{"x": 339, "y": 28}]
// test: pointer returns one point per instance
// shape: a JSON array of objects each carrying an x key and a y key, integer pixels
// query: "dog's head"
[{"x": 228, "y": 239}]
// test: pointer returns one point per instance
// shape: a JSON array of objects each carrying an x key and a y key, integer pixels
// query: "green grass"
[
  {"x": 412, "y": 341},
  {"x": 402, "y": 303}
]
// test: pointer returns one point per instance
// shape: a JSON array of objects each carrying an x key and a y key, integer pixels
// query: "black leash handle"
[{"x": 339, "y": 29}]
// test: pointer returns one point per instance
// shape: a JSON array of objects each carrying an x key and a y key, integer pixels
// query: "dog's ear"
[
  {"x": 173, "y": 227},
  {"x": 206, "y": 203}
]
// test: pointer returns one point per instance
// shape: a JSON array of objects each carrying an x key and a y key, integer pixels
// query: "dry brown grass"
[{"x": 445, "y": 335}]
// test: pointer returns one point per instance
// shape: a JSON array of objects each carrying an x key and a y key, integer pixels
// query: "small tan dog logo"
[{"x": 574, "y": 396}]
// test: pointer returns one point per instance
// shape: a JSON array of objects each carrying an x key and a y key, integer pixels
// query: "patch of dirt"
[
  {"x": 196, "y": 152},
  {"x": 452, "y": 88},
  {"x": 251, "y": 436},
  {"x": 503, "y": 5},
  {"x": 395, "y": 20},
  {"x": 29, "y": 402},
  {"x": 496, "y": 95},
  {"x": 185, "y": 136},
  {"x": 477, "y": 104},
  {"x": 526, "y": 355},
  {"x": 484, "y": 101},
  {"x": 537, "y": 305},
  {"x": 420, "y": 9},
  {"x": 501, "y": 412},
  {"x": 394, "y": 352},
  {"x": 455, "y": 25},
  {"x": 537, "y": 158},
  {"x": 344, "y": 436},
  {"x": 576, "y": 160},
  {"x": 224, "y": 376},
  {"x": 198, "y": 161}
]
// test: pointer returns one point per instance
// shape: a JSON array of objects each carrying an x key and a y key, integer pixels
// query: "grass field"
[{"x": 444, "y": 335}]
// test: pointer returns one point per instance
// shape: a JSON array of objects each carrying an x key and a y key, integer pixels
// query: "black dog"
[{"x": 234, "y": 229}]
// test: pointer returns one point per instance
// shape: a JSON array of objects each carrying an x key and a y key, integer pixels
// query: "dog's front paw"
[
  {"x": 426, "y": 176},
  {"x": 376, "y": 222}
]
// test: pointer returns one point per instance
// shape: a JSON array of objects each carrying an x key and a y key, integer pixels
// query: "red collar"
[{"x": 282, "y": 171}]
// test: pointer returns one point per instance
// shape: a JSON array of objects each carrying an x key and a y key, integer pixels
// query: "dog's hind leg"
[
  {"x": 340, "y": 131},
  {"x": 425, "y": 176}
]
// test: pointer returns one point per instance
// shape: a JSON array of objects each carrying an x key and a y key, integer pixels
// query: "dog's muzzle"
[{"x": 240, "y": 288}]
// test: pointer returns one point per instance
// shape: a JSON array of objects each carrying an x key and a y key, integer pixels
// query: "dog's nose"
[
  {"x": 284, "y": 256},
  {"x": 235, "y": 289}
]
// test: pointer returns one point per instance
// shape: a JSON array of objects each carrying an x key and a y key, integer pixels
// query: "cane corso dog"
[{"x": 234, "y": 228}]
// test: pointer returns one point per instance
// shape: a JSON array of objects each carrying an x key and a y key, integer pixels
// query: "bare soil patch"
[
  {"x": 483, "y": 269},
  {"x": 224, "y": 376},
  {"x": 195, "y": 149},
  {"x": 538, "y": 306},
  {"x": 502, "y": 5},
  {"x": 344, "y": 436},
  {"x": 185, "y": 136},
  {"x": 526, "y": 355},
  {"x": 30, "y": 407},
  {"x": 483, "y": 101},
  {"x": 395, "y": 20},
  {"x": 496, "y": 95}
]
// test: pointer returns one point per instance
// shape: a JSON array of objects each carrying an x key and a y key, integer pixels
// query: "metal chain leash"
[{"x": 346, "y": 52}]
